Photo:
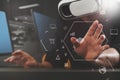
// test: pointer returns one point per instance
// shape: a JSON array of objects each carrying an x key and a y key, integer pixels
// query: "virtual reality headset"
[{"x": 70, "y": 9}]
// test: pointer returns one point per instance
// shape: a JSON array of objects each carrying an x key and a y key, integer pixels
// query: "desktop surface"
[{"x": 55, "y": 74}]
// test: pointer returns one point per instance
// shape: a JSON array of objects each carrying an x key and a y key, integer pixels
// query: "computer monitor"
[
  {"x": 5, "y": 39},
  {"x": 46, "y": 29}
]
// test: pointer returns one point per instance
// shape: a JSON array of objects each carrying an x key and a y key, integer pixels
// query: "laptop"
[
  {"x": 6, "y": 46},
  {"x": 5, "y": 38}
]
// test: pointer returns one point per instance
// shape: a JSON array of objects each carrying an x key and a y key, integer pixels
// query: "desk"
[{"x": 55, "y": 74}]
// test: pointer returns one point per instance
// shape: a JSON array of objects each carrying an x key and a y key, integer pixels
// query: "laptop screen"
[{"x": 5, "y": 40}]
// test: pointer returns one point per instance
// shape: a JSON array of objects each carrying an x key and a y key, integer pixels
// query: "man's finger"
[
  {"x": 98, "y": 31},
  {"x": 7, "y": 59},
  {"x": 105, "y": 47},
  {"x": 101, "y": 39},
  {"x": 12, "y": 58},
  {"x": 92, "y": 28},
  {"x": 17, "y": 52},
  {"x": 75, "y": 42},
  {"x": 20, "y": 53}
]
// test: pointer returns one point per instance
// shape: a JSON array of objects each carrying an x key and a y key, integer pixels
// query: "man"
[{"x": 88, "y": 50}]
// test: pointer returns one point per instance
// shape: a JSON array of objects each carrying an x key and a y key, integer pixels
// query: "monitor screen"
[
  {"x": 46, "y": 28},
  {"x": 5, "y": 39}
]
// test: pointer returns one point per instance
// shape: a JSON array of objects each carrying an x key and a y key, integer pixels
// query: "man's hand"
[
  {"x": 91, "y": 45},
  {"x": 20, "y": 57}
]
